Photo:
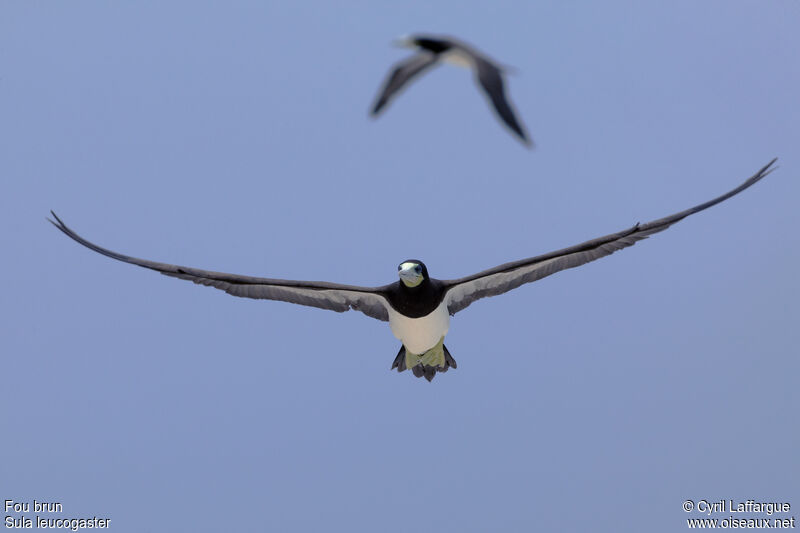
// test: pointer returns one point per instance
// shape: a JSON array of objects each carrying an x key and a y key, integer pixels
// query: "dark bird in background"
[
  {"x": 417, "y": 307},
  {"x": 432, "y": 50}
]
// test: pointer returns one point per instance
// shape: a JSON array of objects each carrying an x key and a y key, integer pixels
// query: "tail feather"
[
  {"x": 421, "y": 369},
  {"x": 400, "y": 360},
  {"x": 448, "y": 360}
]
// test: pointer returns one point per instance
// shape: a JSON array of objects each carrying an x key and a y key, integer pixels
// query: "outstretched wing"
[
  {"x": 332, "y": 296},
  {"x": 462, "y": 292},
  {"x": 403, "y": 72},
  {"x": 490, "y": 78}
]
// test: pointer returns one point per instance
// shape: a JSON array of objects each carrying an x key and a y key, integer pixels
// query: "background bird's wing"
[
  {"x": 462, "y": 292},
  {"x": 403, "y": 72},
  {"x": 490, "y": 79},
  {"x": 332, "y": 296}
]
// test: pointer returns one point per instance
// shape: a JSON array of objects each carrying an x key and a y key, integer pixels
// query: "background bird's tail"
[{"x": 437, "y": 359}]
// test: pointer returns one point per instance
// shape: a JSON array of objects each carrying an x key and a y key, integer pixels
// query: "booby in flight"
[
  {"x": 417, "y": 307},
  {"x": 431, "y": 50}
]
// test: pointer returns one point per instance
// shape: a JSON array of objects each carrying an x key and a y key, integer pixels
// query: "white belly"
[
  {"x": 458, "y": 58},
  {"x": 419, "y": 335}
]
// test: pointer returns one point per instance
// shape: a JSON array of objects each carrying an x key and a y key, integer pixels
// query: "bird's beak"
[
  {"x": 409, "y": 276},
  {"x": 404, "y": 41}
]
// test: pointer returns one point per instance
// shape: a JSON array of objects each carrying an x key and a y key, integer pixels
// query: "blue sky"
[{"x": 234, "y": 136}]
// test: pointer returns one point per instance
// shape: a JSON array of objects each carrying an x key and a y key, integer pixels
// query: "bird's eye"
[{"x": 418, "y": 269}]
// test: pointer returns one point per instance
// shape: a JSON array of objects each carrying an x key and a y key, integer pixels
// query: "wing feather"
[
  {"x": 462, "y": 292},
  {"x": 490, "y": 79},
  {"x": 403, "y": 72},
  {"x": 324, "y": 295}
]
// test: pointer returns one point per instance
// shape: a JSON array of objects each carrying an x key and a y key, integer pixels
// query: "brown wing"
[
  {"x": 323, "y": 295},
  {"x": 462, "y": 292},
  {"x": 402, "y": 72}
]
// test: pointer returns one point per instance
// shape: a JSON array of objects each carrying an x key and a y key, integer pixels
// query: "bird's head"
[
  {"x": 412, "y": 272},
  {"x": 423, "y": 42}
]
